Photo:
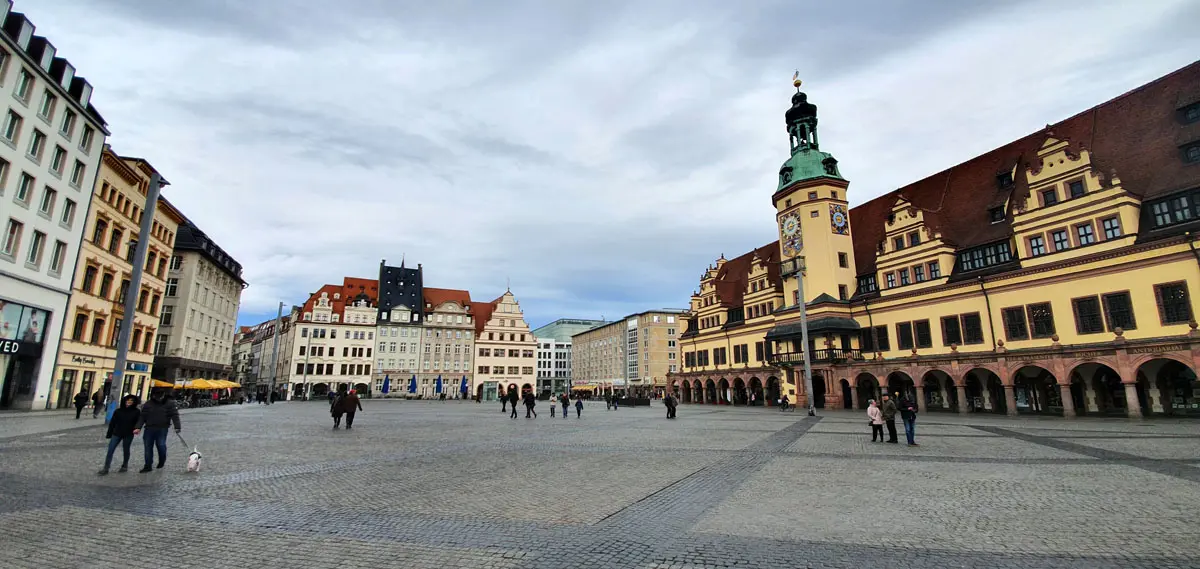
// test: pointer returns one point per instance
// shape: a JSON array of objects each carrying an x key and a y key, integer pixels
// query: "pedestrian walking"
[
  {"x": 351, "y": 405},
  {"x": 121, "y": 431},
  {"x": 158, "y": 414},
  {"x": 335, "y": 409},
  {"x": 81, "y": 401},
  {"x": 889, "y": 417},
  {"x": 608, "y": 401},
  {"x": 908, "y": 413},
  {"x": 512, "y": 402},
  {"x": 565, "y": 401},
  {"x": 97, "y": 403},
  {"x": 669, "y": 401},
  {"x": 552, "y": 407},
  {"x": 530, "y": 402},
  {"x": 578, "y": 407},
  {"x": 875, "y": 419},
  {"x": 614, "y": 402},
  {"x": 503, "y": 402}
]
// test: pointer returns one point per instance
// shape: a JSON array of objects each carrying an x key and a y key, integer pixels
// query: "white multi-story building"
[
  {"x": 333, "y": 340},
  {"x": 554, "y": 356},
  {"x": 504, "y": 348},
  {"x": 50, "y": 145},
  {"x": 200, "y": 307},
  {"x": 447, "y": 343}
]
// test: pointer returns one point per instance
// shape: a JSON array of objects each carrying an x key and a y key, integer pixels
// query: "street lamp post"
[
  {"x": 796, "y": 266},
  {"x": 132, "y": 293},
  {"x": 275, "y": 354}
]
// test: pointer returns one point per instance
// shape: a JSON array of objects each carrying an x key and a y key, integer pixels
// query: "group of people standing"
[
  {"x": 879, "y": 416},
  {"x": 530, "y": 401}
]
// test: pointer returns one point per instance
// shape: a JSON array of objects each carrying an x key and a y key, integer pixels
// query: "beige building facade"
[
  {"x": 633, "y": 354},
  {"x": 505, "y": 349},
  {"x": 199, "y": 318},
  {"x": 87, "y": 353},
  {"x": 333, "y": 342}
]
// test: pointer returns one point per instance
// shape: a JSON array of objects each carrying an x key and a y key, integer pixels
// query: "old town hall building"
[{"x": 1052, "y": 275}]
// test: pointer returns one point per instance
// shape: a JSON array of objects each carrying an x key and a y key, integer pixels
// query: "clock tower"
[{"x": 812, "y": 211}]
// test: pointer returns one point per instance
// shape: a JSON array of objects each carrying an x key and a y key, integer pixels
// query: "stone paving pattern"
[{"x": 421, "y": 484}]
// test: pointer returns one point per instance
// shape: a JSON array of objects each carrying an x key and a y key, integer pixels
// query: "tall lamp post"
[
  {"x": 796, "y": 266},
  {"x": 132, "y": 293}
]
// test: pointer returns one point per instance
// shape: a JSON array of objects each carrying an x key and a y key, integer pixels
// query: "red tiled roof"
[
  {"x": 1136, "y": 136},
  {"x": 436, "y": 296},
  {"x": 350, "y": 289},
  {"x": 733, "y": 275},
  {"x": 482, "y": 312}
]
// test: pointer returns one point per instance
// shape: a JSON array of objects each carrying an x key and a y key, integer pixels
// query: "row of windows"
[
  {"x": 34, "y": 255},
  {"x": 506, "y": 337},
  {"x": 79, "y": 333},
  {"x": 318, "y": 333},
  {"x": 48, "y": 105},
  {"x": 1050, "y": 196},
  {"x": 499, "y": 353},
  {"x": 347, "y": 352},
  {"x": 328, "y": 369},
  {"x": 761, "y": 309},
  {"x": 511, "y": 370},
  {"x": 960, "y": 329},
  {"x": 1079, "y": 236},
  {"x": 1098, "y": 313},
  {"x": 741, "y": 355},
  {"x": 35, "y": 151},
  {"x": 23, "y": 197},
  {"x": 909, "y": 275}
]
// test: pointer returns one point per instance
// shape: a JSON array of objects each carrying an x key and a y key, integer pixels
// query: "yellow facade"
[
  {"x": 1052, "y": 275},
  {"x": 87, "y": 353}
]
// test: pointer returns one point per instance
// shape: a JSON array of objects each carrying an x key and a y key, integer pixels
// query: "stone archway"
[
  {"x": 847, "y": 394},
  {"x": 1035, "y": 391},
  {"x": 938, "y": 391},
  {"x": 320, "y": 390},
  {"x": 685, "y": 392},
  {"x": 773, "y": 391},
  {"x": 1171, "y": 386},
  {"x": 710, "y": 392},
  {"x": 740, "y": 397},
  {"x": 901, "y": 383},
  {"x": 723, "y": 392},
  {"x": 985, "y": 391},
  {"x": 818, "y": 394},
  {"x": 697, "y": 391},
  {"x": 1102, "y": 392},
  {"x": 756, "y": 392},
  {"x": 868, "y": 389}
]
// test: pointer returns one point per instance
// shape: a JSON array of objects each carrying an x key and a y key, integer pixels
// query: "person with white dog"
[{"x": 158, "y": 414}]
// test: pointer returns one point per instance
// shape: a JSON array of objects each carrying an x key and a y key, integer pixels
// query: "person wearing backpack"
[
  {"x": 121, "y": 431},
  {"x": 81, "y": 401}
]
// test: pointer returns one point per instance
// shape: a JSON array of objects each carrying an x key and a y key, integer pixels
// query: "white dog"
[{"x": 193, "y": 463}]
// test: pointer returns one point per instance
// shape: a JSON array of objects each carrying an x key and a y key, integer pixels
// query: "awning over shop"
[{"x": 829, "y": 324}]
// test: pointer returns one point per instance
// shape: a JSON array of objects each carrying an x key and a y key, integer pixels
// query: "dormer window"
[
  {"x": 1190, "y": 113},
  {"x": 1076, "y": 189},
  {"x": 1004, "y": 180},
  {"x": 897, "y": 243},
  {"x": 1049, "y": 197},
  {"x": 914, "y": 239},
  {"x": 996, "y": 214}
]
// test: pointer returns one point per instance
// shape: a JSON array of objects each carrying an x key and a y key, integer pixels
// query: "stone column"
[
  {"x": 921, "y": 399},
  {"x": 1010, "y": 401},
  {"x": 854, "y": 397},
  {"x": 963, "y": 408},
  {"x": 1132, "y": 406},
  {"x": 1068, "y": 402}
]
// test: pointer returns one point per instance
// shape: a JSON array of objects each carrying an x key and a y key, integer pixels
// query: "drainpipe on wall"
[
  {"x": 988, "y": 302},
  {"x": 1192, "y": 246}
]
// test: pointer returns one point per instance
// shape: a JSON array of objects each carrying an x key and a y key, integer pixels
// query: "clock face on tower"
[
  {"x": 790, "y": 238},
  {"x": 838, "y": 220}
]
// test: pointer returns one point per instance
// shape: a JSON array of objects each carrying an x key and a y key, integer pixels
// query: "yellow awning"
[
  {"x": 200, "y": 384},
  {"x": 159, "y": 383}
]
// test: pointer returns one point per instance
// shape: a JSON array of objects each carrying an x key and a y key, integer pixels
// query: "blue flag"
[
  {"x": 412, "y": 384},
  {"x": 437, "y": 384},
  {"x": 387, "y": 385}
]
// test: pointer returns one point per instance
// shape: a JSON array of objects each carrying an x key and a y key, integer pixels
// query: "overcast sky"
[{"x": 598, "y": 154}]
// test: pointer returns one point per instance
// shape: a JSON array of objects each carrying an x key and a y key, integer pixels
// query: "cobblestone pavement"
[{"x": 420, "y": 484}]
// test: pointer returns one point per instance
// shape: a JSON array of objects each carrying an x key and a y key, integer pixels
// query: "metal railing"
[{"x": 824, "y": 356}]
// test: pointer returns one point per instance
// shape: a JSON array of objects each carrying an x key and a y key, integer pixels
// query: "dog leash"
[{"x": 181, "y": 439}]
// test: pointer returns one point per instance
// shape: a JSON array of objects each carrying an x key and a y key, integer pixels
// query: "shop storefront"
[{"x": 22, "y": 333}]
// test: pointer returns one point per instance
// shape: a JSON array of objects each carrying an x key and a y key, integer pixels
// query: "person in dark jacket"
[
  {"x": 565, "y": 401},
  {"x": 512, "y": 402},
  {"x": 97, "y": 403},
  {"x": 908, "y": 413},
  {"x": 120, "y": 431},
  {"x": 530, "y": 401},
  {"x": 158, "y": 414},
  {"x": 351, "y": 405},
  {"x": 669, "y": 401},
  {"x": 335, "y": 408},
  {"x": 578, "y": 406},
  {"x": 889, "y": 417},
  {"x": 81, "y": 400},
  {"x": 503, "y": 402}
]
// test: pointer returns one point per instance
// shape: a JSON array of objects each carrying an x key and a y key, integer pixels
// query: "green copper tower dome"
[{"x": 807, "y": 162}]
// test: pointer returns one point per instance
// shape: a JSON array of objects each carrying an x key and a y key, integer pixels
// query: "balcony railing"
[{"x": 834, "y": 356}]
